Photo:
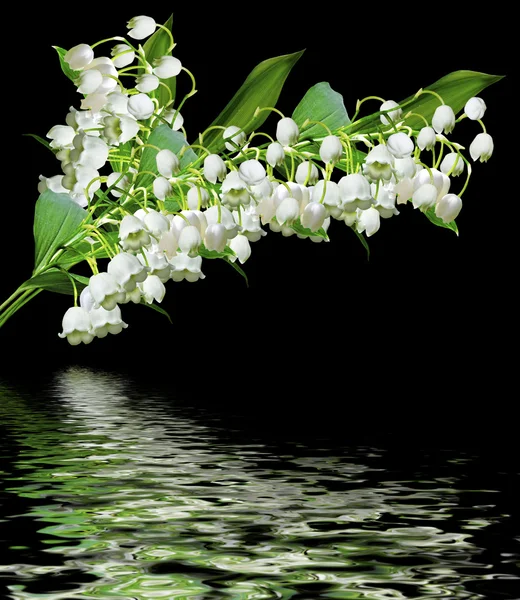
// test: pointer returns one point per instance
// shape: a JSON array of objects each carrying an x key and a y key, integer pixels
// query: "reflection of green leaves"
[
  {"x": 320, "y": 103},
  {"x": 261, "y": 88},
  {"x": 70, "y": 73},
  {"x": 56, "y": 220},
  {"x": 430, "y": 213},
  {"x": 155, "y": 47},
  {"x": 164, "y": 138},
  {"x": 455, "y": 89}
]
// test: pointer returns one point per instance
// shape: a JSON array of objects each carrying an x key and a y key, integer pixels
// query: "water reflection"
[{"x": 114, "y": 492}]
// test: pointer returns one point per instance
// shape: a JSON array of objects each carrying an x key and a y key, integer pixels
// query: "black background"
[{"x": 430, "y": 322}]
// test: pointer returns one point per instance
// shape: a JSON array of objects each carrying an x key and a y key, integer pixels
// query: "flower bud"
[
  {"x": 241, "y": 247},
  {"x": 307, "y": 173},
  {"x": 141, "y": 107},
  {"x": 287, "y": 131},
  {"x": 252, "y": 172},
  {"x": 141, "y": 27},
  {"x": 368, "y": 221},
  {"x": 146, "y": 83},
  {"x": 162, "y": 188},
  {"x": 168, "y": 163},
  {"x": 481, "y": 147},
  {"x": 275, "y": 154},
  {"x": 400, "y": 145},
  {"x": 424, "y": 196},
  {"x": 197, "y": 195},
  {"x": 448, "y": 207},
  {"x": 443, "y": 119},
  {"x": 236, "y": 137},
  {"x": 190, "y": 240},
  {"x": 288, "y": 211},
  {"x": 126, "y": 57},
  {"x": 475, "y": 108},
  {"x": 166, "y": 67},
  {"x": 394, "y": 115},
  {"x": 313, "y": 216},
  {"x": 214, "y": 168},
  {"x": 215, "y": 237},
  {"x": 89, "y": 81},
  {"x": 79, "y": 57},
  {"x": 426, "y": 138},
  {"x": 331, "y": 149},
  {"x": 452, "y": 164}
]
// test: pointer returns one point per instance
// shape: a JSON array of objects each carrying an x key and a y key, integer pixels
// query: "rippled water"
[{"x": 110, "y": 492}]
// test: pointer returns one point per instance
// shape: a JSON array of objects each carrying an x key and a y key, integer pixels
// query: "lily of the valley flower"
[
  {"x": 120, "y": 129},
  {"x": 141, "y": 27},
  {"x": 79, "y": 56},
  {"x": 162, "y": 188},
  {"x": 197, "y": 197},
  {"x": 368, "y": 221},
  {"x": 147, "y": 83},
  {"x": 122, "y": 55},
  {"x": 400, "y": 145},
  {"x": 426, "y": 138},
  {"x": 241, "y": 247},
  {"x": 287, "y": 131},
  {"x": 152, "y": 289},
  {"x": 394, "y": 115},
  {"x": 215, "y": 237},
  {"x": 214, "y": 168},
  {"x": 448, "y": 207},
  {"x": 252, "y": 172},
  {"x": 354, "y": 190},
  {"x": 89, "y": 81},
  {"x": 475, "y": 108},
  {"x": 378, "y": 164},
  {"x": 481, "y": 147},
  {"x": 127, "y": 270},
  {"x": 452, "y": 164},
  {"x": 235, "y": 136},
  {"x": 288, "y": 211},
  {"x": 190, "y": 241},
  {"x": 307, "y": 173},
  {"x": 133, "y": 234},
  {"x": 186, "y": 267},
  {"x": 313, "y": 216},
  {"x": 443, "y": 119},
  {"x": 234, "y": 191},
  {"x": 77, "y": 327},
  {"x": 167, "y": 66},
  {"x": 168, "y": 163},
  {"x": 425, "y": 196},
  {"x": 106, "y": 291},
  {"x": 331, "y": 149},
  {"x": 141, "y": 107},
  {"x": 275, "y": 154},
  {"x": 106, "y": 321}
]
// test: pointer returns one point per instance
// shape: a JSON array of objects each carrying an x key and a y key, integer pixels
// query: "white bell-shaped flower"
[
  {"x": 394, "y": 115},
  {"x": 174, "y": 118},
  {"x": 168, "y": 244},
  {"x": 448, "y": 207},
  {"x": 152, "y": 289},
  {"x": 119, "y": 129},
  {"x": 368, "y": 221},
  {"x": 440, "y": 181},
  {"x": 252, "y": 172},
  {"x": 168, "y": 163},
  {"x": 141, "y": 27},
  {"x": 250, "y": 223},
  {"x": 106, "y": 291},
  {"x": 405, "y": 167},
  {"x": 288, "y": 211},
  {"x": 89, "y": 81},
  {"x": 452, "y": 164},
  {"x": 235, "y": 136},
  {"x": 141, "y": 107},
  {"x": 83, "y": 182},
  {"x": 241, "y": 247},
  {"x": 443, "y": 119},
  {"x": 52, "y": 183},
  {"x": 214, "y": 168},
  {"x": 196, "y": 218},
  {"x": 475, "y": 108},
  {"x": 234, "y": 191},
  {"x": 226, "y": 218},
  {"x": 425, "y": 197},
  {"x": 190, "y": 241},
  {"x": 331, "y": 149},
  {"x": 197, "y": 197},
  {"x": 313, "y": 216},
  {"x": 106, "y": 321},
  {"x": 385, "y": 201},
  {"x": 120, "y": 181},
  {"x": 275, "y": 154},
  {"x": 146, "y": 83},
  {"x": 133, "y": 234},
  {"x": 117, "y": 103},
  {"x": 328, "y": 193},
  {"x": 317, "y": 239},
  {"x": 262, "y": 190},
  {"x": 481, "y": 147},
  {"x": 94, "y": 102},
  {"x": 156, "y": 264},
  {"x": 154, "y": 221},
  {"x": 186, "y": 267},
  {"x": 105, "y": 66},
  {"x": 127, "y": 270},
  {"x": 427, "y": 138},
  {"x": 287, "y": 131},
  {"x": 122, "y": 55},
  {"x": 167, "y": 66},
  {"x": 354, "y": 190},
  {"x": 89, "y": 151},
  {"x": 400, "y": 145},
  {"x": 162, "y": 188},
  {"x": 378, "y": 164},
  {"x": 215, "y": 237},
  {"x": 79, "y": 57},
  {"x": 77, "y": 327},
  {"x": 307, "y": 173},
  {"x": 404, "y": 190},
  {"x": 61, "y": 136}
]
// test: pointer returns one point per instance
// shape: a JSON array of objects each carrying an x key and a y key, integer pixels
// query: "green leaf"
[
  {"x": 70, "y": 73},
  {"x": 238, "y": 269},
  {"x": 363, "y": 240},
  {"x": 301, "y": 230},
  {"x": 163, "y": 137},
  {"x": 205, "y": 253},
  {"x": 261, "y": 88},
  {"x": 172, "y": 206},
  {"x": 123, "y": 151},
  {"x": 320, "y": 103},
  {"x": 156, "y": 46},
  {"x": 430, "y": 213},
  {"x": 39, "y": 139},
  {"x": 56, "y": 220},
  {"x": 55, "y": 280},
  {"x": 455, "y": 88},
  {"x": 75, "y": 253},
  {"x": 157, "y": 309}
]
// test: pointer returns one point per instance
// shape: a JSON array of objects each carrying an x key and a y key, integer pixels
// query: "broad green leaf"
[
  {"x": 163, "y": 137},
  {"x": 123, "y": 151},
  {"x": 261, "y": 88},
  {"x": 70, "y": 73},
  {"x": 39, "y": 139},
  {"x": 430, "y": 213},
  {"x": 56, "y": 220},
  {"x": 363, "y": 240},
  {"x": 205, "y": 253},
  {"x": 172, "y": 206},
  {"x": 157, "y": 309},
  {"x": 301, "y": 230},
  {"x": 238, "y": 269},
  {"x": 320, "y": 103},
  {"x": 455, "y": 88},
  {"x": 156, "y": 46},
  {"x": 55, "y": 280}
]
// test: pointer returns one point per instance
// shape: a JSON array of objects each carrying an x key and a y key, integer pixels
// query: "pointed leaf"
[
  {"x": 455, "y": 89},
  {"x": 75, "y": 253},
  {"x": 163, "y": 137},
  {"x": 40, "y": 139},
  {"x": 320, "y": 103},
  {"x": 70, "y": 73},
  {"x": 56, "y": 220},
  {"x": 156, "y": 46},
  {"x": 301, "y": 230},
  {"x": 363, "y": 241},
  {"x": 55, "y": 280},
  {"x": 205, "y": 253},
  {"x": 261, "y": 88},
  {"x": 430, "y": 213},
  {"x": 238, "y": 269},
  {"x": 157, "y": 309}
]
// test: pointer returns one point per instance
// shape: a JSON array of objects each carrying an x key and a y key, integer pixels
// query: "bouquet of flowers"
[{"x": 143, "y": 203}]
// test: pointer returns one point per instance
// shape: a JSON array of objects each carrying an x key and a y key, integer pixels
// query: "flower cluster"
[{"x": 158, "y": 206}]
